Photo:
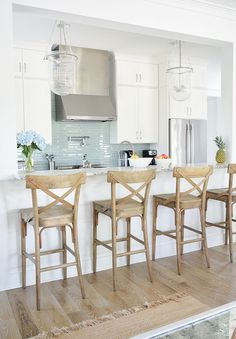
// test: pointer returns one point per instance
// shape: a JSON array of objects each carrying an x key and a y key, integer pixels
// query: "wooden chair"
[
  {"x": 228, "y": 197},
  {"x": 58, "y": 213},
  {"x": 181, "y": 201},
  {"x": 132, "y": 205}
]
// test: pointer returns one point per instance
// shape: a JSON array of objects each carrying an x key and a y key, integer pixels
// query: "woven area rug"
[{"x": 132, "y": 321}]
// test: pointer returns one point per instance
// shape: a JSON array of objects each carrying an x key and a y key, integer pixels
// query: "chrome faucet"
[
  {"x": 51, "y": 161},
  {"x": 86, "y": 163},
  {"x": 123, "y": 157}
]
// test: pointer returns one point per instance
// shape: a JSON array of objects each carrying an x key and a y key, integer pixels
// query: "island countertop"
[{"x": 104, "y": 170}]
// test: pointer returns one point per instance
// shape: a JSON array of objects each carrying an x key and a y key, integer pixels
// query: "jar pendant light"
[
  {"x": 179, "y": 78},
  {"x": 62, "y": 62}
]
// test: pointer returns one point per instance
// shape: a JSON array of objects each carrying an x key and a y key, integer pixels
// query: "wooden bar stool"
[
  {"x": 228, "y": 197},
  {"x": 58, "y": 213},
  {"x": 132, "y": 205},
  {"x": 181, "y": 201}
]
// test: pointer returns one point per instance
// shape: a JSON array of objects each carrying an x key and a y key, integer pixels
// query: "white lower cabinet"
[{"x": 137, "y": 115}]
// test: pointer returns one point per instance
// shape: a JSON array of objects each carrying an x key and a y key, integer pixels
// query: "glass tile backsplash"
[{"x": 98, "y": 147}]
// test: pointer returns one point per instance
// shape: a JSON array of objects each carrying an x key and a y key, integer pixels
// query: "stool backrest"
[
  {"x": 231, "y": 171},
  {"x": 46, "y": 183},
  {"x": 125, "y": 178},
  {"x": 189, "y": 174}
]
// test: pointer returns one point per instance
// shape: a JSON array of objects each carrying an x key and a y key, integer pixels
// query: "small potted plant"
[
  {"x": 220, "y": 154},
  {"x": 30, "y": 141}
]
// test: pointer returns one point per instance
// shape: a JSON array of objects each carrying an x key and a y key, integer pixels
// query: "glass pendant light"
[
  {"x": 62, "y": 62},
  {"x": 179, "y": 77}
]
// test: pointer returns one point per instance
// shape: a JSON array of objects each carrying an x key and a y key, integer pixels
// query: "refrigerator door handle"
[
  {"x": 191, "y": 143},
  {"x": 187, "y": 143}
]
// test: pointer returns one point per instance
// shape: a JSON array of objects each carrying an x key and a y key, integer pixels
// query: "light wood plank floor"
[{"x": 62, "y": 304}]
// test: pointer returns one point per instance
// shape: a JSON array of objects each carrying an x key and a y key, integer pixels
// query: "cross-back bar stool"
[
  {"x": 181, "y": 201},
  {"x": 228, "y": 197},
  {"x": 134, "y": 204},
  {"x": 58, "y": 213}
]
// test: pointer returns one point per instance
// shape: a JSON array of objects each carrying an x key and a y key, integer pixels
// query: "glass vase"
[{"x": 29, "y": 162}]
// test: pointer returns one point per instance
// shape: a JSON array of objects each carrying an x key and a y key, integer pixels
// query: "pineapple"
[{"x": 220, "y": 154}]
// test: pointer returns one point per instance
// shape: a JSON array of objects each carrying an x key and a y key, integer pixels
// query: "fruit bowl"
[
  {"x": 139, "y": 162},
  {"x": 164, "y": 163}
]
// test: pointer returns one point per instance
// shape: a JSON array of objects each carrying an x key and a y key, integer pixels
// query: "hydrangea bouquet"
[{"x": 30, "y": 141}]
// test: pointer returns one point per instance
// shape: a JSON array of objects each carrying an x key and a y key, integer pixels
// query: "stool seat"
[
  {"x": 221, "y": 194},
  {"x": 186, "y": 201},
  {"x": 55, "y": 216},
  {"x": 125, "y": 209}
]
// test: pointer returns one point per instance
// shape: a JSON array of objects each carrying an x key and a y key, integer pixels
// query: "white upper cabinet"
[
  {"x": 193, "y": 108},
  {"x": 33, "y": 96},
  {"x": 136, "y": 102},
  {"x": 133, "y": 73},
  {"x": 30, "y": 64}
]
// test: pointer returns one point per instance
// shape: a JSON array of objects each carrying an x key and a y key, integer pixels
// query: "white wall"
[{"x": 7, "y": 112}]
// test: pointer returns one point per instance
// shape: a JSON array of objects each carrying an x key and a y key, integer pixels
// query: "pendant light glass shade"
[
  {"x": 179, "y": 77},
  {"x": 62, "y": 63}
]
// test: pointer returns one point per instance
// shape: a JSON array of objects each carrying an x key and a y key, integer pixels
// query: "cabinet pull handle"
[
  {"x": 19, "y": 66},
  {"x": 24, "y": 67},
  {"x": 140, "y": 135},
  {"x": 140, "y": 77},
  {"x": 136, "y": 77},
  {"x": 137, "y": 135}
]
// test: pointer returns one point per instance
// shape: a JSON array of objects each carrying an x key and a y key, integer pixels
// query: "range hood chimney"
[{"x": 93, "y": 98}]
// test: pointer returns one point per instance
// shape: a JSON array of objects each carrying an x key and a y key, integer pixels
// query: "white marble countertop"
[{"x": 103, "y": 171}]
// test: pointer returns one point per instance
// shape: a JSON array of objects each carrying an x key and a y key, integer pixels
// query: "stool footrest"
[
  {"x": 55, "y": 267},
  {"x": 191, "y": 241},
  {"x": 166, "y": 233},
  {"x": 130, "y": 253},
  {"x": 192, "y": 229},
  {"x": 137, "y": 239},
  {"x": 58, "y": 250},
  {"x": 221, "y": 224}
]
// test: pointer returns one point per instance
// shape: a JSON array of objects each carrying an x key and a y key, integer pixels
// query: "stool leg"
[
  {"x": 226, "y": 226},
  {"x": 154, "y": 233},
  {"x": 77, "y": 258},
  {"x": 182, "y": 232},
  {"x": 23, "y": 248},
  {"x": 145, "y": 237},
  {"x": 95, "y": 225},
  {"x": 114, "y": 251},
  {"x": 204, "y": 242},
  {"x": 178, "y": 240},
  {"x": 229, "y": 227},
  {"x": 128, "y": 220},
  {"x": 64, "y": 251},
  {"x": 37, "y": 262}
]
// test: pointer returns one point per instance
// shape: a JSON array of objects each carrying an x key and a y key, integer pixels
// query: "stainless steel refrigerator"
[{"x": 188, "y": 141}]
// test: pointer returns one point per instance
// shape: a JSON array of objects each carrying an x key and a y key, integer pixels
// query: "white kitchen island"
[{"x": 14, "y": 196}]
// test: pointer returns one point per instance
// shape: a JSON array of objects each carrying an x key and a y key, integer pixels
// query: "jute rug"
[{"x": 132, "y": 321}]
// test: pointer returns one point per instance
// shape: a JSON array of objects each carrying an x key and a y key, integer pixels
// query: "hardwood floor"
[{"x": 62, "y": 304}]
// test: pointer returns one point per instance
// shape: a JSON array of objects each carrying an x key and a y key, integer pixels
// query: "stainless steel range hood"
[{"x": 93, "y": 98}]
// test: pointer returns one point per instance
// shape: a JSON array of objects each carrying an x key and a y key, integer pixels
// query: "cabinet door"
[
  {"x": 178, "y": 109},
  {"x": 18, "y": 65},
  {"x": 148, "y": 114},
  {"x": 127, "y": 117},
  {"x": 20, "y": 120},
  {"x": 148, "y": 75},
  {"x": 198, "y": 104},
  {"x": 127, "y": 72},
  {"x": 34, "y": 65},
  {"x": 37, "y": 104}
]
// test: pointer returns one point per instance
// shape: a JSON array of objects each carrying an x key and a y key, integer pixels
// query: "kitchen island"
[{"x": 14, "y": 196}]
